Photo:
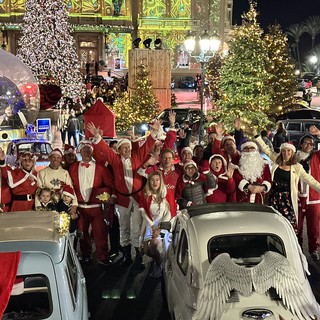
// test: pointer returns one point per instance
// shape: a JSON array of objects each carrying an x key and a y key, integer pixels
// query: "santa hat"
[
  {"x": 225, "y": 138},
  {"x": 219, "y": 156},
  {"x": 190, "y": 163},
  {"x": 69, "y": 149},
  {"x": 56, "y": 151},
  {"x": 68, "y": 191},
  {"x": 85, "y": 143},
  {"x": 122, "y": 141},
  {"x": 249, "y": 144},
  {"x": 188, "y": 149},
  {"x": 288, "y": 145}
]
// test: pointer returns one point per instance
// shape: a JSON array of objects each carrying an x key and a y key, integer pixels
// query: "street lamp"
[
  {"x": 208, "y": 47},
  {"x": 314, "y": 61}
]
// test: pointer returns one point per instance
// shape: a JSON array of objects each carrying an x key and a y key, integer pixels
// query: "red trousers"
[
  {"x": 93, "y": 216},
  {"x": 312, "y": 213}
]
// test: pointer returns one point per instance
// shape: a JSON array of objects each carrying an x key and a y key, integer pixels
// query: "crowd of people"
[{"x": 149, "y": 183}]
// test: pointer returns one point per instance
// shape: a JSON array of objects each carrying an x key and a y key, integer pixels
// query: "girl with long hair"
[{"x": 154, "y": 209}]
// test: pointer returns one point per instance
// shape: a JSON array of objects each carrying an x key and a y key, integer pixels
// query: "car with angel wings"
[
  {"x": 236, "y": 261},
  {"x": 43, "y": 277}
]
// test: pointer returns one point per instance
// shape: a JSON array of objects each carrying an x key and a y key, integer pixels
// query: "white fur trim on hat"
[
  {"x": 288, "y": 145},
  {"x": 224, "y": 161},
  {"x": 190, "y": 163},
  {"x": 85, "y": 143},
  {"x": 227, "y": 137},
  {"x": 122, "y": 141},
  {"x": 56, "y": 151},
  {"x": 249, "y": 144},
  {"x": 186, "y": 149}
]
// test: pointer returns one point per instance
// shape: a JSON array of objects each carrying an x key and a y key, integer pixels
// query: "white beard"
[{"x": 251, "y": 165}]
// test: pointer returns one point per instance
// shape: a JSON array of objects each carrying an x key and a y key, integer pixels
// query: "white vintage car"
[
  {"x": 236, "y": 261},
  {"x": 49, "y": 283}
]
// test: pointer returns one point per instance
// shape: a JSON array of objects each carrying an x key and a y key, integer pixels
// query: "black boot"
[
  {"x": 127, "y": 260},
  {"x": 138, "y": 261}
]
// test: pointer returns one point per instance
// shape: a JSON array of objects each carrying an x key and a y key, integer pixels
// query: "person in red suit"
[
  {"x": 89, "y": 180},
  {"x": 22, "y": 181},
  {"x": 224, "y": 177},
  {"x": 309, "y": 206},
  {"x": 128, "y": 185},
  {"x": 5, "y": 195},
  {"x": 253, "y": 177}
]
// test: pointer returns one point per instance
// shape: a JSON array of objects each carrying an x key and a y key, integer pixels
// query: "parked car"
[
  {"x": 40, "y": 147},
  {"x": 52, "y": 284},
  {"x": 235, "y": 261},
  {"x": 186, "y": 82},
  {"x": 297, "y": 128}
]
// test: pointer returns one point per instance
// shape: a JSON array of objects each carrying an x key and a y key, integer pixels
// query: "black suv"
[{"x": 297, "y": 128}]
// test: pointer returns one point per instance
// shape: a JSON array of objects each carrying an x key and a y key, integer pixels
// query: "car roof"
[
  {"x": 32, "y": 231},
  {"x": 236, "y": 218},
  {"x": 25, "y": 140}
]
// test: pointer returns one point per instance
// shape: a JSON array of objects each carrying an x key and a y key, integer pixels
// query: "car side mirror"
[{"x": 166, "y": 225}]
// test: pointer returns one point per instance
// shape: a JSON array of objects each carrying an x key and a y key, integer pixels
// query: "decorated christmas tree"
[
  {"x": 213, "y": 76},
  {"x": 282, "y": 84},
  {"x": 244, "y": 78},
  {"x": 47, "y": 46},
  {"x": 140, "y": 107}
]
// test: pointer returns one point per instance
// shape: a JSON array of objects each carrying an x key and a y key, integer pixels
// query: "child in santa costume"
[
  {"x": 192, "y": 186},
  {"x": 46, "y": 200},
  {"x": 224, "y": 179},
  {"x": 154, "y": 209}
]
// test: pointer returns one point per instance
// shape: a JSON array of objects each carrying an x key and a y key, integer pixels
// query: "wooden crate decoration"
[{"x": 158, "y": 63}]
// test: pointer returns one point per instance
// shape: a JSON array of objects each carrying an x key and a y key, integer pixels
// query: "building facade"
[{"x": 104, "y": 29}]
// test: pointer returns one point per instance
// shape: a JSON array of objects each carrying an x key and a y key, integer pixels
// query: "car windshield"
[
  {"x": 248, "y": 247},
  {"x": 180, "y": 115},
  {"x": 37, "y": 147}
]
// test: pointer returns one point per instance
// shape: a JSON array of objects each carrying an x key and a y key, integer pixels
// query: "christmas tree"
[
  {"x": 140, "y": 107},
  {"x": 213, "y": 76},
  {"x": 243, "y": 84},
  {"x": 47, "y": 46},
  {"x": 282, "y": 84}
]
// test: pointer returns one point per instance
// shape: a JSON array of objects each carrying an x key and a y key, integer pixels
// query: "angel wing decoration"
[{"x": 274, "y": 270}]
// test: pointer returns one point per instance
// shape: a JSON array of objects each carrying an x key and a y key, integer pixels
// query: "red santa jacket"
[
  {"x": 22, "y": 183},
  {"x": 216, "y": 150},
  {"x": 102, "y": 182},
  {"x": 103, "y": 152},
  {"x": 225, "y": 187},
  {"x": 244, "y": 195},
  {"x": 5, "y": 194}
]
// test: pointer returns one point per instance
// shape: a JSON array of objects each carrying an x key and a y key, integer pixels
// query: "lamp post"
[{"x": 208, "y": 47}]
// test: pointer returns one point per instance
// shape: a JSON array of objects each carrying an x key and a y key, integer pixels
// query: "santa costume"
[{"x": 253, "y": 170}]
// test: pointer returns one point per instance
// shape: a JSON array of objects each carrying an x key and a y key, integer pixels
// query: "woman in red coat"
[{"x": 224, "y": 176}]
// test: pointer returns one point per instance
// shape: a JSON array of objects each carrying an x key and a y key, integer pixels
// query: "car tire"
[{"x": 163, "y": 292}]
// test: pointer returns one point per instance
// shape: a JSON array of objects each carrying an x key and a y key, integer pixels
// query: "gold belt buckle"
[{"x": 29, "y": 197}]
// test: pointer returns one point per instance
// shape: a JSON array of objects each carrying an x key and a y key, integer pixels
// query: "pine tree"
[
  {"x": 213, "y": 76},
  {"x": 244, "y": 77},
  {"x": 143, "y": 100},
  {"x": 140, "y": 107},
  {"x": 47, "y": 46},
  {"x": 282, "y": 84}
]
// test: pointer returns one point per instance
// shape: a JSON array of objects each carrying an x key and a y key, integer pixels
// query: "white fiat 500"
[
  {"x": 49, "y": 279},
  {"x": 236, "y": 261}
]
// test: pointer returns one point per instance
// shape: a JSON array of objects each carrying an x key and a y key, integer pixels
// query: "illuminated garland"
[{"x": 64, "y": 223}]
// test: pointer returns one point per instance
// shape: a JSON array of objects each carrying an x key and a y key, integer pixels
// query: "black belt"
[{"x": 23, "y": 197}]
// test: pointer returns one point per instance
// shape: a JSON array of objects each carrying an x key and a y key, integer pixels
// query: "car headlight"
[{"x": 144, "y": 127}]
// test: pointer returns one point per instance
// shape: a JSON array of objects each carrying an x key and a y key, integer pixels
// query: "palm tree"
[
  {"x": 296, "y": 31},
  {"x": 312, "y": 27}
]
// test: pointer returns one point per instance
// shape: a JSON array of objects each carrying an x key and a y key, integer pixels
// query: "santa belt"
[
  {"x": 89, "y": 205},
  {"x": 129, "y": 194},
  {"x": 23, "y": 197}
]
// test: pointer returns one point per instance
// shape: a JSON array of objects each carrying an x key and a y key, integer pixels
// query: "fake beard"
[{"x": 251, "y": 165}]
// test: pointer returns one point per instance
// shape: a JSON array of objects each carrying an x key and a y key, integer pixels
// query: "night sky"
[{"x": 285, "y": 12}]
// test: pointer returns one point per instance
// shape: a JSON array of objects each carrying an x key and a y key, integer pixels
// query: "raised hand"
[
  {"x": 237, "y": 124},
  {"x": 314, "y": 130},
  {"x": 172, "y": 118},
  {"x": 230, "y": 171},
  {"x": 182, "y": 134},
  {"x": 155, "y": 125},
  {"x": 219, "y": 129},
  {"x": 96, "y": 132}
]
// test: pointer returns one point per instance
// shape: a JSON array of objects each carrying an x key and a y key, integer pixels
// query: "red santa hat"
[
  {"x": 68, "y": 191},
  {"x": 190, "y": 163},
  {"x": 225, "y": 138},
  {"x": 56, "y": 151},
  {"x": 219, "y": 156},
  {"x": 69, "y": 149},
  {"x": 85, "y": 143},
  {"x": 249, "y": 144},
  {"x": 122, "y": 141},
  {"x": 186, "y": 149},
  {"x": 288, "y": 145}
]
